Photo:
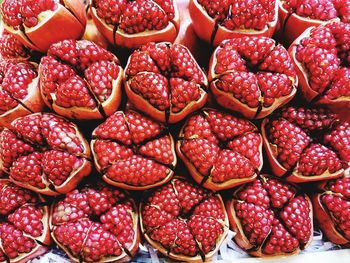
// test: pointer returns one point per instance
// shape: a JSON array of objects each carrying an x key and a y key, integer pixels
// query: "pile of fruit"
[{"x": 171, "y": 123}]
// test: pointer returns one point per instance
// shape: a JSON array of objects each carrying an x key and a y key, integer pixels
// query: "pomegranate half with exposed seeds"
[
  {"x": 24, "y": 224},
  {"x": 96, "y": 224},
  {"x": 19, "y": 90},
  {"x": 38, "y": 24},
  {"x": 133, "y": 151},
  {"x": 252, "y": 75},
  {"x": 220, "y": 150},
  {"x": 165, "y": 81},
  {"x": 184, "y": 221},
  {"x": 270, "y": 218},
  {"x": 295, "y": 16},
  {"x": 81, "y": 80},
  {"x": 45, "y": 153},
  {"x": 322, "y": 56},
  {"x": 215, "y": 21},
  {"x": 332, "y": 210},
  {"x": 130, "y": 24},
  {"x": 307, "y": 144},
  {"x": 11, "y": 48}
]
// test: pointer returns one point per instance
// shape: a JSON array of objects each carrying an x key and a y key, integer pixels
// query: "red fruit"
[
  {"x": 307, "y": 144},
  {"x": 252, "y": 75},
  {"x": 270, "y": 218},
  {"x": 184, "y": 221},
  {"x": 96, "y": 223},
  {"x": 165, "y": 81},
  {"x": 131, "y": 24},
  {"x": 220, "y": 150},
  {"x": 38, "y": 24},
  {"x": 92, "y": 33},
  {"x": 24, "y": 226},
  {"x": 133, "y": 151},
  {"x": 81, "y": 80},
  {"x": 45, "y": 153},
  {"x": 11, "y": 48},
  {"x": 321, "y": 56}
]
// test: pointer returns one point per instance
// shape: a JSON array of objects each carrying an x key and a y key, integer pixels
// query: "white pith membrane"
[
  {"x": 32, "y": 141},
  {"x": 182, "y": 67},
  {"x": 184, "y": 217}
]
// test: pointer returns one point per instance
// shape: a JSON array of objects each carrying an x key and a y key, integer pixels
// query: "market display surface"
[{"x": 175, "y": 130}]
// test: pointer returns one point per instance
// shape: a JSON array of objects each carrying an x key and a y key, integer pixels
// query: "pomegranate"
[
  {"x": 81, "y": 80},
  {"x": 130, "y": 24},
  {"x": 295, "y": 16},
  {"x": 332, "y": 210},
  {"x": 270, "y": 218},
  {"x": 165, "y": 81},
  {"x": 307, "y": 144},
  {"x": 322, "y": 55},
  {"x": 19, "y": 90},
  {"x": 45, "y": 153},
  {"x": 11, "y": 48},
  {"x": 215, "y": 21},
  {"x": 252, "y": 75},
  {"x": 133, "y": 151},
  {"x": 96, "y": 224},
  {"x": 184, "y": 221},
  {"x": 40, "y": 23},
  {"x": 220, "y": 150},
  {"x": 24, "y": 224},
  {"x": 92, "y": 34}
]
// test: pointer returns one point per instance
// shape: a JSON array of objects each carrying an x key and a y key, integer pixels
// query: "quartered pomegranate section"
[
  {"x": 81, "y": 80},
  {"x": 130, "y": 24},
  {"x": 184, "y": 221},
  {"x": 165, "y": 81},
  {"x": 96, "y": 224},
  {"x": 219, "y": 149},
  {"x": 11, "y": 47},
  {"x": 252, "y": 75},
  {"x": 215, "y": 21},
  {"x": 270, "y": 218},
  {"x": 38, "y": 24},
  {"x": 24, "y": 224},
  {"x": 133, "y": 151},
  {"x": 307, "y": 144},
  {"x": 45, "y": 153}
]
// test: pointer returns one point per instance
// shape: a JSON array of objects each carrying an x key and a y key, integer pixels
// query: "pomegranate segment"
[
  {"x": 215, "y": 21},
  {"x": 184, "y": 221},
  {"x": 45, "y": 153},
  {"x": 219, "y": 149},
  {"x": 11, "y": 48},
  {"x": 133, "y": 151},
  {"x": 321, "y": 56},
  {"x": 270, "y": 217},
  {"x": 252, "y": 75},
  {"x": 131, "y": 24},
  {"x": 81, "y": 80},
  {"x": 307, "y": 144},
  {"x": 96, "y": 223},
  {"x": 24, "y": 226}
]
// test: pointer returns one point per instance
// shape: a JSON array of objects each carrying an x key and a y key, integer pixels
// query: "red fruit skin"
[{"x": 93, "y": 34}]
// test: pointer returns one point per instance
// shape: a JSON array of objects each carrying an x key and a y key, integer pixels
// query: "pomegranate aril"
[
  {"x": 141, "y": 62},
  {"x": 210, "y": 207},
  {"x": 199, "y": 127},
  {"x": 280, "y": 194},
  {"x": 159, "y": 150},
  {"x": 229, "y": 60},
  {"x": 182, "y": 93},
  {"x": 339, "y": 139},
  {"x": 254, "y": 193},
  {"x": 29, "y": 128},
  {"x": 341, "y": 186}
]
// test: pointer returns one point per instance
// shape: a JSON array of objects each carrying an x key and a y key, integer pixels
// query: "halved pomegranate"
[
  {"x": 19, "y": 90},
  {"x": 96, "y": 224},
  {"x": 38, "y": 24},
  {"x": 295, "y": 16},
  {"x": 322, "y": 56},
  {"x": 92, "y": 33},
  {"x": 165, "y": 81},
  {"x": 24, "y": 224},
  {"x": 11, "y": 48},
  {"x": 130, "y": 24},
  {"x": 252, "y": 75},
  {"x": 184, "y": 221},
  {"x": 271, "y": 218},
  {"x": 307, "y": 144},
  {"x": 215, "y": 21},
  {"x": 81, "y": 80},
  {"x": 332, "y": 210},
  {"x": 133, "y": 151},
  {"x": 220, "y": 150},
  {"x": 45, "y": 153}
]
